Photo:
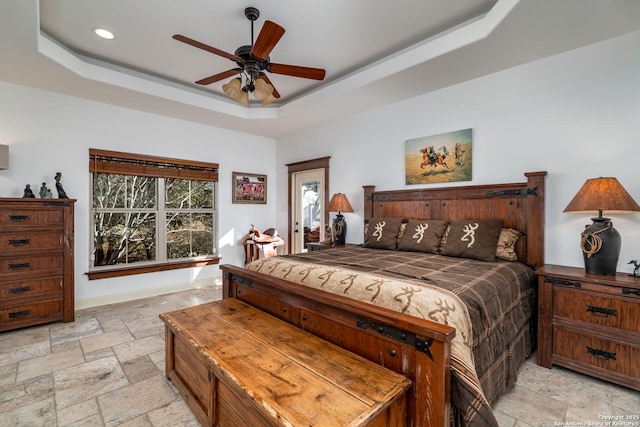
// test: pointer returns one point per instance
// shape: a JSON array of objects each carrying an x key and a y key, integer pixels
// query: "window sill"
[{"x": 150, "y": 268}]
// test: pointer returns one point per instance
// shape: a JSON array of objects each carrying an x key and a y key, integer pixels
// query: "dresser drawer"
[
  {"x": 30, "y": 217},
  {"x": 30, "y": 288},
  {"x": 591, "y": 350},
  {"x": 30, "y": 312},
  {"x": 30, "y": 241},
  {"x": 28, "y": 265},
  {"x": 601, "y": 309}
]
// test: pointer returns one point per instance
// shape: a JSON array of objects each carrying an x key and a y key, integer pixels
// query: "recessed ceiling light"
[{"x": 103, "y": 33}]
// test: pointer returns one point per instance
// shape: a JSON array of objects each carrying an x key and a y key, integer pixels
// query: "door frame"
[{"x": 319, "y": 163}]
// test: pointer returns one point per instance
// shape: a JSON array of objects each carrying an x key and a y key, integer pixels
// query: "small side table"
[{"x": 589, "y": 323}]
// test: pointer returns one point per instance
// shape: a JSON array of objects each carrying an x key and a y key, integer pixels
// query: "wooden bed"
[{"x": 418, "y": 349}]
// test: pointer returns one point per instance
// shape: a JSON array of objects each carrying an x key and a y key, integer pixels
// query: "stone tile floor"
[{"x": 107, "y": 369}]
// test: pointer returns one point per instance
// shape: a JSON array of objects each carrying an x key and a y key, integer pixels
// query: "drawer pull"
[
  {"x": 562, "y": 282},
  {"x": 19, "y": 218},
  {"x": 20, "y": 242},
  {"x": 600, "y": 311},
  {"x": 19, "y": 290},
  {"x": 601, "y": 354},
  {"x": 19, "y": 266},
  {"x": 16, "y": 314},
  {"x": 629, "y": 291}
]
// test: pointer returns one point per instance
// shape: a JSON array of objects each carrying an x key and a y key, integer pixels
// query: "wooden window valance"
[{"x": 103, "y": 161}]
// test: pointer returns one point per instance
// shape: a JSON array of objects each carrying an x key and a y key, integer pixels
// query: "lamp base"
[
  {"x": 600, "y": 245},
  {"x": 339, "y": 230}
]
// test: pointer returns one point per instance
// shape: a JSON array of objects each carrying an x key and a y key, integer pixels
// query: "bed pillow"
[
  {"x": 422, "y": 235},
  {"x": 473, "y": 239},
  {"x": 506, "y": 244},
  {"x": 382, "y": 233}
]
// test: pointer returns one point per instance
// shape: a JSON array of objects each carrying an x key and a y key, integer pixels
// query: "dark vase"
[
  {"x": 600, "y": 245},
  {"x": 339, "y": 230}
]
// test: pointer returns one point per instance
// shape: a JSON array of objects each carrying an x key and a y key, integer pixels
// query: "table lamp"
[
  {"x": 339, "y": 203},
  {"x": 600, "y": 242}
]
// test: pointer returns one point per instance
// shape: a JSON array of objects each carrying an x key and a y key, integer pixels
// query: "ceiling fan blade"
[
  {"x": 269, "y": 36},
  {"x": 296, "y": 71},
  {"x": 219, "y": 76},
  {"x": 203, "y": 46},
  {"x": 275, "y": 93}
]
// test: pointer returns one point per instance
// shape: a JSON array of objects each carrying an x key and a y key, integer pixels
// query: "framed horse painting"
[{"x": 439, "y": 158}]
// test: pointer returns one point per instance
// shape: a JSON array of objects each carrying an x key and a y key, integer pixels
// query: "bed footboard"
[{"x": 416, "y": 348}]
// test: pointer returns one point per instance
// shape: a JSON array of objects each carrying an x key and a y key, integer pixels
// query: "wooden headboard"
[{"x": 519, "y": 205}]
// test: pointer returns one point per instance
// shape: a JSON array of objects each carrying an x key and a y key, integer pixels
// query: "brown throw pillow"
[
  {"x": 382, "y": 233},
  {"x": 422, "y": 235},
  {"x": 473, "y": 239},
  {"x": 507, "y": 243}
]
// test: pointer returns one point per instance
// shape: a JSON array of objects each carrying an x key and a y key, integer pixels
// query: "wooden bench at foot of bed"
[
  {"x": 418, "y": 349},
  {"x": 235, "y": 365}
]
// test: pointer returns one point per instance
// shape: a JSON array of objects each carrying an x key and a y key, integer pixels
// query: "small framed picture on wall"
[{"x": 249, "y": 188}]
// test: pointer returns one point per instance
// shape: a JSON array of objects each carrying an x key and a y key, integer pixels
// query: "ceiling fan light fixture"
[
  {"x": 233, "y": 89},
  {"x": 269, "y": 100},
  {"x": 263, "y": 90}
]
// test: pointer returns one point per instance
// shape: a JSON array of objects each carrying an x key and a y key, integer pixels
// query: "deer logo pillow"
[
  {"x": 422, "y": 235},
  {"x": 473, "y": 239},
  {"x": 382, "y": 233}
]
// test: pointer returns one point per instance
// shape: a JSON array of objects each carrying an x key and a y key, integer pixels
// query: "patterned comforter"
[{"x": 489, "y": 303}]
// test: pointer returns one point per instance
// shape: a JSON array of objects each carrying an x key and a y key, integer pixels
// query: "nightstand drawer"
[
  {"x": 599, "y": 309},
  {"x": 594, "y": 351}
]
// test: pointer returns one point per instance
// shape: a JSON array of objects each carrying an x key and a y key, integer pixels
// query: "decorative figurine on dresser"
[
  {"x": 28, "y": 192},
  {"x": 61, "y": 192},
  {"x": 43, "y": 191},
  {"x": 36, "y": 261},
  {"x": 636, "y": 265}
]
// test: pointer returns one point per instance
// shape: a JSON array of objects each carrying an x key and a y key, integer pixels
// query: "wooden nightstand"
[
  {"x": 320, "y": 246},
  {"x": 590, "y": 323}
]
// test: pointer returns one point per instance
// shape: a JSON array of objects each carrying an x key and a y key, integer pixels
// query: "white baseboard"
[{"x": 145, "y": 293}]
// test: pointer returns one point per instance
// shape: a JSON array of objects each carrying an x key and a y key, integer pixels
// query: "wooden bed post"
[
  {"x": 535, "y": 223},
  {"x": 368, "y": 201}
]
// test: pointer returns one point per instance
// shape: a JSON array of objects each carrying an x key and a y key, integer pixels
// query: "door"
[{"x": 308, "y": 216}]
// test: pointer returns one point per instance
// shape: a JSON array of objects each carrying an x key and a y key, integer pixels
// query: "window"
[{"x": 150, "y": 213}]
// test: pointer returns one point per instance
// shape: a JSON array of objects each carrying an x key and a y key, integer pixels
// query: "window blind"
[{"x": 103, "y": 161}]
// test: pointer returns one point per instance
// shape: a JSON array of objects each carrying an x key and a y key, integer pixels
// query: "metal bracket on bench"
[
  {"x": 239, "y": 280},
  {"x": 397, "y": 334}
]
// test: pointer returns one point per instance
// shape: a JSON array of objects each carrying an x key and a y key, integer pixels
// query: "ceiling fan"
[{"x": 252, "y": 62}]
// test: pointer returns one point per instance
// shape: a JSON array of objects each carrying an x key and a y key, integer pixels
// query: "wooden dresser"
[
  {"x": 590, "y": 323},
  {"x": 36, "y": 262},
  {"x": 237, "y": 366}
]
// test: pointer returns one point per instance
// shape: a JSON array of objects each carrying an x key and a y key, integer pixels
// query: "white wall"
[
  {"x": 575, "y": 115},
  {"x": 48, "y": 132}
]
